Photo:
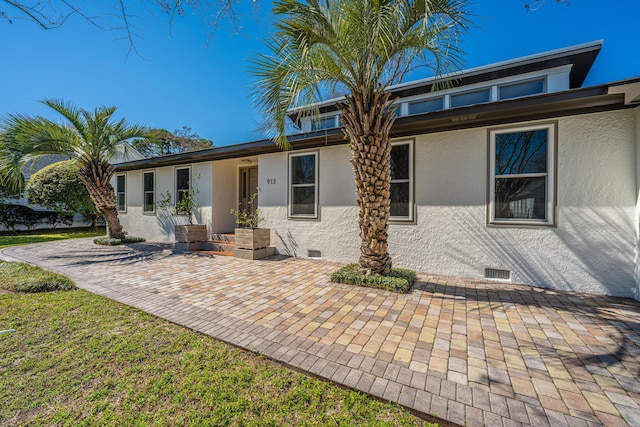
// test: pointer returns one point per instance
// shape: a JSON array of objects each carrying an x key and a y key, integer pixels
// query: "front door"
[{"x": 248, "y": 187}]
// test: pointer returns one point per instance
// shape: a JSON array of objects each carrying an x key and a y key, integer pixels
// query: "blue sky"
[{"x": 178, "y": 80}]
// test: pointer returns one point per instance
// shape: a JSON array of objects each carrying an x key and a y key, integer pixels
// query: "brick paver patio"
[{"x": 470, "y": 352}]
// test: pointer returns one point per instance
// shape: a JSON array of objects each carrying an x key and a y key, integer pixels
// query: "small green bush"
[
  {"x": 397, "y": 280},
  {"x": 22, "y": 277},
  {"x": 110, "y": 241},
  {"x": 12, "y": 216}
]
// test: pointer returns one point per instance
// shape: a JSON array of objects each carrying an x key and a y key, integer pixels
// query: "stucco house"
[{"x": 513, "y": 172}]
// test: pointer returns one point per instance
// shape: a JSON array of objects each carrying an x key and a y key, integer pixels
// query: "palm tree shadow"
[
  {"x": 619, "y": 317},
  {"x": 128, "y": 254}
]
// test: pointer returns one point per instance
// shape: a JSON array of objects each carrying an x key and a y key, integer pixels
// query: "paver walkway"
[{"x": 470, "y": 352}]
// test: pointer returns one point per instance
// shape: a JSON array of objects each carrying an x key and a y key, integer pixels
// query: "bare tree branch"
[
  {"x": 36, "y": 13},
  {"x": 127, "y": 29},
  {"x": 537, "y": 4},
  {"x": 52, "y": 14}
]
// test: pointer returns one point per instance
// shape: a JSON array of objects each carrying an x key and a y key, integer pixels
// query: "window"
[
  {"x": 183, "y": 182},
  {"x": 323, "y": 123},
  {"x": 402, "y": 181},
  {"x": 470, "y": 98},
  {"x": 517, "y": 90},
  {"x": 303, "y": 185},
  {"x": 121, "y": 188},
  {"x": 149, "y": 192},
  {"x": 426, "y": 106},
  {"x": 522, "y": 166}
]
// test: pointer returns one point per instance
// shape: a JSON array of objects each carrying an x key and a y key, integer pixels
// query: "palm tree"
[
  {"x": 90, "y": 138},
  {"x": 359, "y": 48}
]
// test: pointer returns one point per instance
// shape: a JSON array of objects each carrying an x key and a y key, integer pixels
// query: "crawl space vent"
[
  {"x": 314, "y": 254},
  {"x": 496, "y": 273}
]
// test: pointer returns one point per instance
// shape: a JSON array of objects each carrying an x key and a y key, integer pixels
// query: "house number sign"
[{"x": 271, "y": 181}]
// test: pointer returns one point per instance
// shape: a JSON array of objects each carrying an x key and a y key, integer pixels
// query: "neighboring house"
[
  {"x": 44, "y": 161},
  {"x": 515, "y": 172}
]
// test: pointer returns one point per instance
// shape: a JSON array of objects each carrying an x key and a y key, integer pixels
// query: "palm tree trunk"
[
  {"x": 105, "y": 200},
  {"x": 367, "y": 125},
  {"x": 96, "y": 177},
  {"x": 114, "y": 228}
]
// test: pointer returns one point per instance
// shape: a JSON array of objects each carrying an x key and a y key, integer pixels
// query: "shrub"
[
  {"x": 110, "y": 241},
  {"x": 22, "y": 277},
  {"x": 53, "y": 219},
  {"x": 249, "y": 217},
  {"x": 397, "y": 280},
  {"x": 12, "y": 216},
  {"x": 58, "y": 187},
  {"x": 31, "y": 218}
]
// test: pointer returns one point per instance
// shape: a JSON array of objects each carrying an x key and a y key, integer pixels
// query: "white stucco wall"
[
  {"x": 332, "y": 233},
  {"x": 225, "y": 195},
  {"x": 590, "y": 250},
  {"x": 159, "y": 226},
  {"x": 637, "y": 217}
]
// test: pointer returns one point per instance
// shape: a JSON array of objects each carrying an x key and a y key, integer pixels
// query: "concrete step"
[{"x": 223, "y": 237}]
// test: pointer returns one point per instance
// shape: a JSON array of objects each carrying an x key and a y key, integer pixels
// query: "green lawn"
[
  {"x": 80, "y": 359},
  {"x": 23, "y": 277},
  {"x": 37, "y": 236}
]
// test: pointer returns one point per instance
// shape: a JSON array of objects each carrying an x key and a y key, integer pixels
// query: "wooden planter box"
[
  {"x": 253, "y": 238},
  {"x": 189, "y": 236}
]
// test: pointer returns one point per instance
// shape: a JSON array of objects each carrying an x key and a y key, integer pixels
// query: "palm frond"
[
  {"x": 364, "y": 46},
  {"x": 91, "y": 137}
]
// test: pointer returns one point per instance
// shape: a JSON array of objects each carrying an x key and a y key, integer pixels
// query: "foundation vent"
[
  {"x": 314, "y": 254},
  {"x": 496, "y": 273}
]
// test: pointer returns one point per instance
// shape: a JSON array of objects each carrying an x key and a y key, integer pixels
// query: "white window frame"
[
  {"x": 550, "y": 175},
  {"x": 292, "y": 186},
  {"x": 124, "y": 210},
  {"x": 175, "y": 184},
  {"x": 410, "y": 217},
  {"x": 144, "y": 193},
  {"x": 420, "y": 100},
  {"x": 452, "y": 95},
  {"x": 518, "y": 82},
  {"x": 323, "y": 119}
]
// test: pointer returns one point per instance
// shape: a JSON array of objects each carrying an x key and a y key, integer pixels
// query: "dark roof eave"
[
  {"x": 571, "y": 102},
  {"x": 581, "y": 58},
  {"x": 577, "y": 101},
  {"x": 247, "y": 149}
]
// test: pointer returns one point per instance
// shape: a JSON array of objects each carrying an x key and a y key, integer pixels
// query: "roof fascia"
[
  {"x": 571, "y": 102},
  {"x": 581, "y": 57}
]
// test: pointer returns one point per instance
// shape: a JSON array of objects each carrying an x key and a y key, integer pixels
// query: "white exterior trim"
[
  {"x": 125, "y": 193},
  {"x": 550, "y": 174},
  {"x": 411, "y": 216},
  {"x": 144, "y": 193},
  {"x": 316, "y": 185},
  {"x": 496, "y": 96},
  {"x": 555, "y": 80},
  {"x": 175, "y": 181}
]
